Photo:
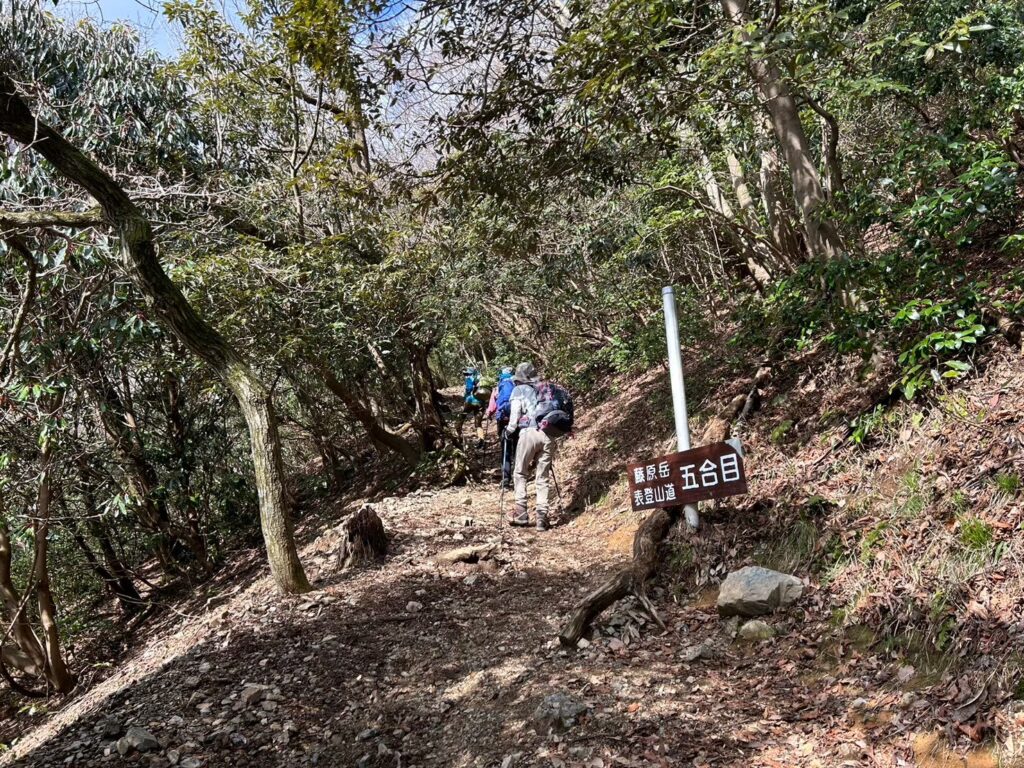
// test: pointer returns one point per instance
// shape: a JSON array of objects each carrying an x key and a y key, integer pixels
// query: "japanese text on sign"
[{"x": 709, "y": 472}]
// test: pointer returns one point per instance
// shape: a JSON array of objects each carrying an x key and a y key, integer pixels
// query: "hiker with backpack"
[
  {"x": 541, "y": 412},
  {"x": 500, "y": 409},
  {"x": 475, "y": 397}
]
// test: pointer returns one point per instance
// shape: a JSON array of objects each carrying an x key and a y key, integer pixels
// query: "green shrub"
[
  {"x": 976, "y": 534},
  {"x": 1008, "y": 483},
  {"x": 780, "y": 431}
]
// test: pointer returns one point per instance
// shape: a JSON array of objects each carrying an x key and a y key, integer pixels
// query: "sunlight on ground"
[{"x": 930, "y": 751}]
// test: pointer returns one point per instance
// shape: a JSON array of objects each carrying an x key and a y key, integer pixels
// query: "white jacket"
[{"x": 523, "y": 401}]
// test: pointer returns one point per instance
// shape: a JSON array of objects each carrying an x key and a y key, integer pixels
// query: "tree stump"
[{"x": 363, "y": 539}]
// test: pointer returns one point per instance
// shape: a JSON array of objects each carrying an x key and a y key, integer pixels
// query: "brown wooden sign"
[{"x": 709, "y": 472}]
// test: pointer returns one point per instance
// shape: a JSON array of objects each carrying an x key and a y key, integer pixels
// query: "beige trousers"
[{"x": 534, "y": 445}]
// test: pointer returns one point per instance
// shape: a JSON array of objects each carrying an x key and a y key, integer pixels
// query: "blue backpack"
[
  {"x": 503, "y": 403},
  {"x": 472, "y": 379}
]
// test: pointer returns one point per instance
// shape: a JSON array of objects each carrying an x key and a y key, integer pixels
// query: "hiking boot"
[
  {"x": 519, "y": 517},
  {"x": 542, "y": 523}
]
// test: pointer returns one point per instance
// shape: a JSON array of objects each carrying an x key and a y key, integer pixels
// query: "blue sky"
[{"x": 145, "y": 15}]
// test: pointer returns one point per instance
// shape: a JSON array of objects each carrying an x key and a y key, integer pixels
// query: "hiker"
[
  {"x": 473, "y": 402},
  {"x": 540, "y": 413},
  {"x": 500, "y": 408}
]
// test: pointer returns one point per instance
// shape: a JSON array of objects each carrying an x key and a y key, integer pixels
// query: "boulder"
[
  {"x": 557, "y": 713},
  {"x": 756, "y": 591}
]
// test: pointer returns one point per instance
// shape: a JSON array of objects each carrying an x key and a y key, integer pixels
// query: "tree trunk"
[
  {"x": 833, "y": 182},
  {"x": 431, "y": 422},
  {"x": 57, "y": 673},
  {"x": 138, "y": 256},
  {"x": 822, "y": 237},
  {"x": 753, "y": 266},
  {"x": 124, "y": 592},
  {"x": 777, "y": 209},
  {"x": 138, "y": 475},
  {"x": 111, "y": 571},
  {"x": 377, "y": 432},
  {"x": 14, "y": 612},
  {"x": 177, "y": 433}
]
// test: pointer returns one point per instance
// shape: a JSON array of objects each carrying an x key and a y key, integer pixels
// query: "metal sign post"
[{"x": 675, "y": 367}]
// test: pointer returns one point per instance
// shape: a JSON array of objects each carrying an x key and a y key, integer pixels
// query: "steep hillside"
[{"x": 904, "y": 650}]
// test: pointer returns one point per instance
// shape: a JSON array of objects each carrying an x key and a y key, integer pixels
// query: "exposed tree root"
[{"x": 633, "y": 578}]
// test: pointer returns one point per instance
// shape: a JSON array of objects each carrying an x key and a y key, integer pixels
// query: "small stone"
[
  {"x": 470, "y": 580},
  {"x": 582, "y": 643},
  {"x": 123, "y": 747},
  {"x": 268, "y": 706},
  {"x": 192, "y": 681},
  {"x": 173, "y": 756},
  {"x": 204, "y": 668},
  {"x": 251, "y": 694},
  {"x": 693, "y": 652},
  {"x": 366, "y": 735},
  {"x": 458, "y": 537},
  {"x": 110, "y": 728},
  {"x": 616, "y": 645},
  {"x": 468, "y": 501},
  {"x": 191, "y": 762},
  {"x": 756, "y": 630},
  {"x": 141, "y": 740},
  {"x": 413, "y": 606},
  {"x": 557, "y": 713},
  {"x": 859, "y": 704}
]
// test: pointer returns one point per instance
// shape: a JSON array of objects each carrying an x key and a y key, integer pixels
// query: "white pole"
[{"x": 675, "y": 368}]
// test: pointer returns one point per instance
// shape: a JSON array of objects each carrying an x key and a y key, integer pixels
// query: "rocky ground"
[{"x": 420, "y": 663}]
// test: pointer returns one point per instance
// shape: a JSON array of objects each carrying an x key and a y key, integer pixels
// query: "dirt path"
[
  {"x": 417, "y": 664},
  {"x": 413, "y": 664}
]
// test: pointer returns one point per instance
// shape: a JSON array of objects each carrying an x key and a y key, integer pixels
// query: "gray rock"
[
  {"x": 251, "y": 694},
  {"x": 110, "y": 728},
  {"x": 698, "y": 651},
  {"x": 756, "y": 630},
  {"x": 413, "y": 606},
  {"x": 756, "y": 591},
  {"x": 139, "y": 739},
  {"x": 190, "y": 762},
  {"x": 557, "y": 713}
]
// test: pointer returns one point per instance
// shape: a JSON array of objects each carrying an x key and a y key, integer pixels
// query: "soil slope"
[{"x": 419, "y": 664}]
